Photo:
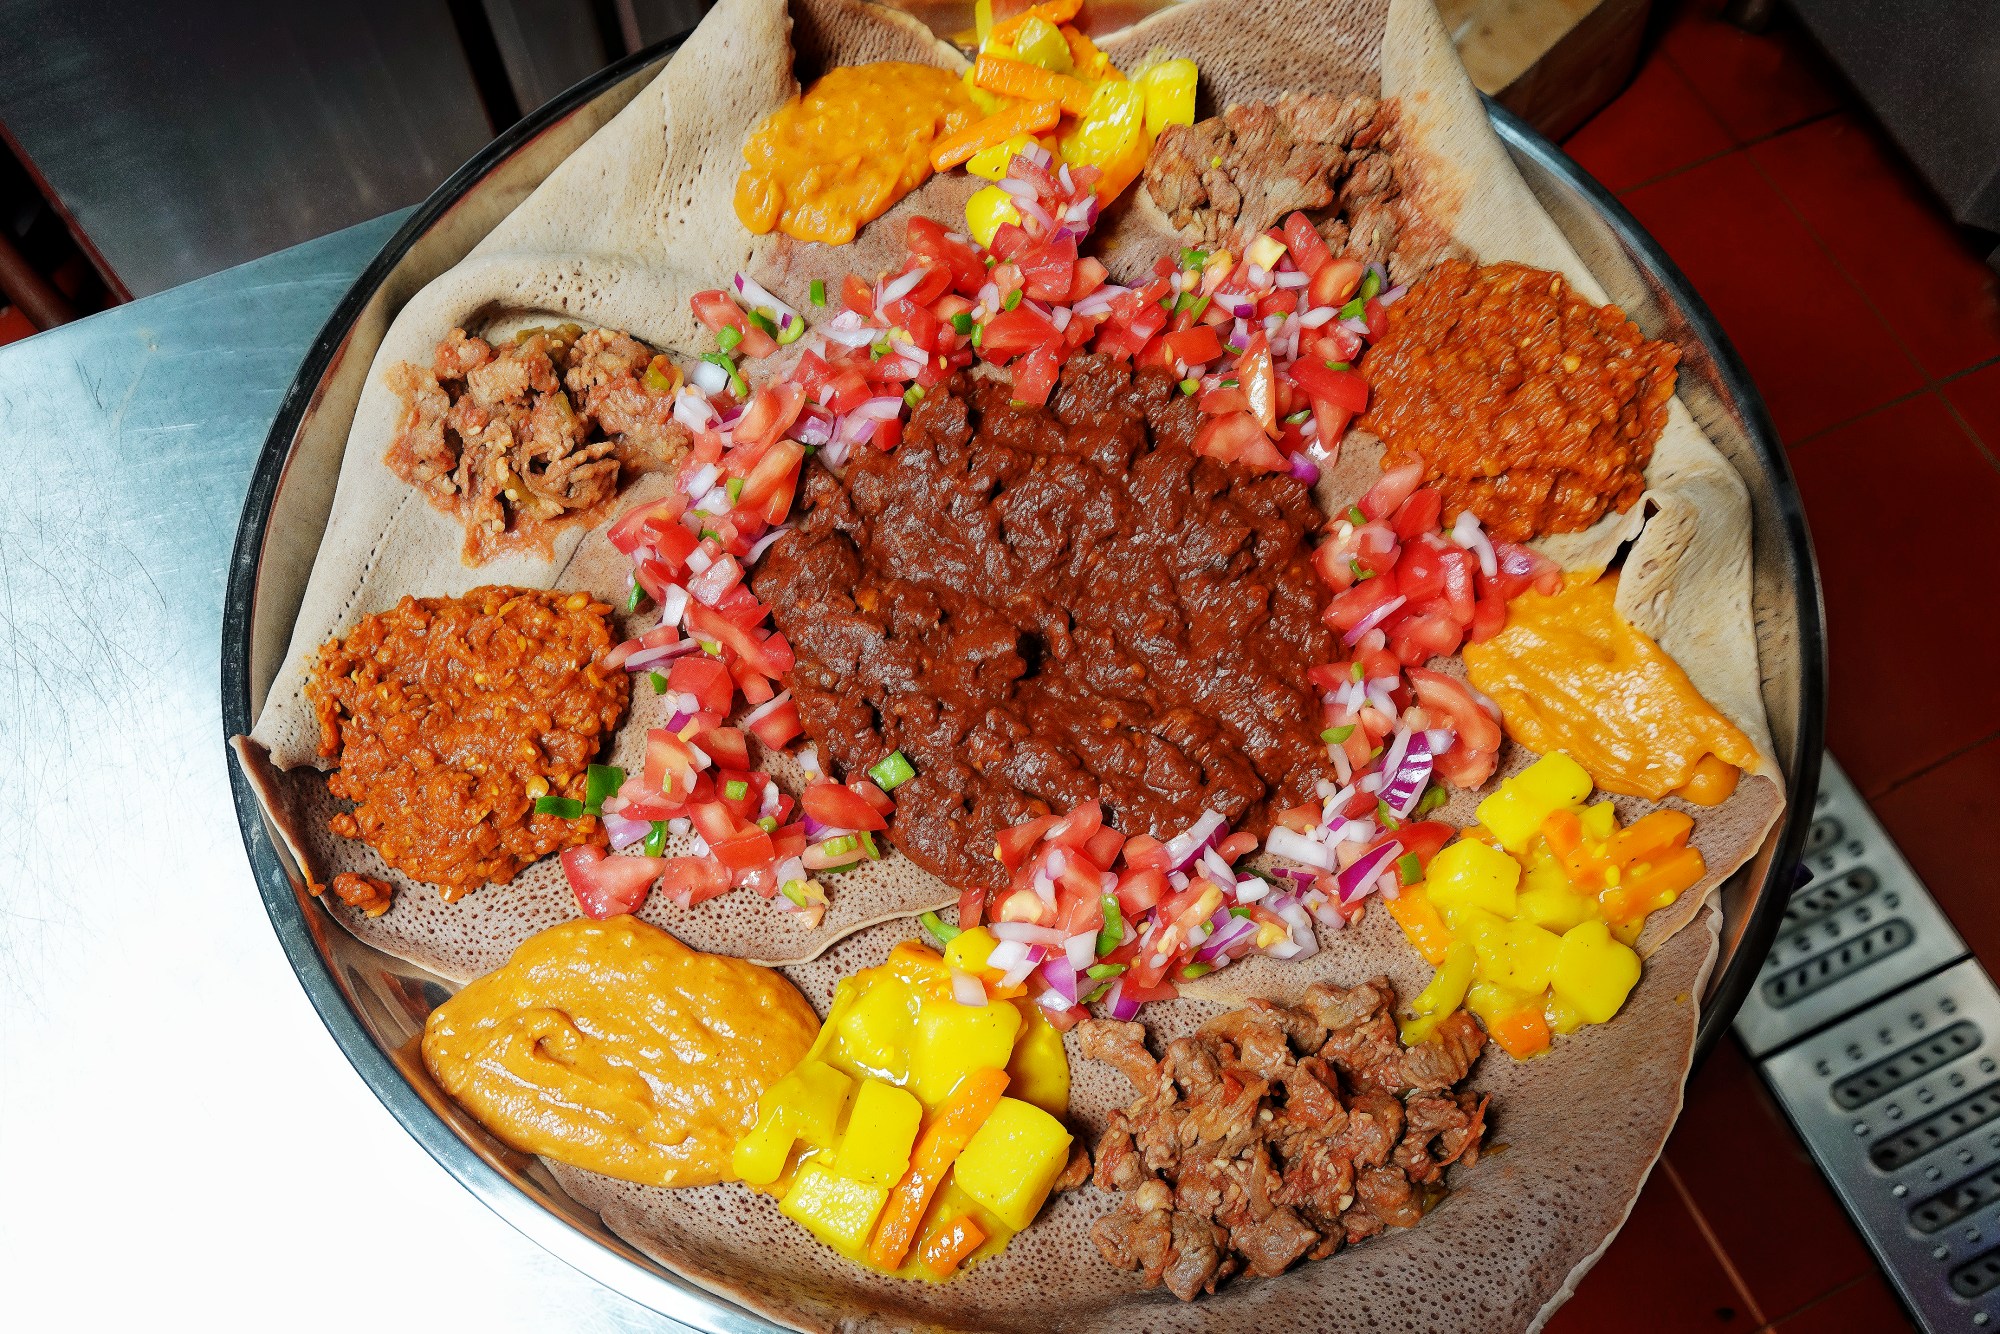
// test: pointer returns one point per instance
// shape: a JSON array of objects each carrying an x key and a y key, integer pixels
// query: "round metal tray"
[{"x": 375, "y": 1005}]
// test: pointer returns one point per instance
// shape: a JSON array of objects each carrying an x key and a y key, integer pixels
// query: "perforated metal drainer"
[{"x": 1881, "y": 1038}]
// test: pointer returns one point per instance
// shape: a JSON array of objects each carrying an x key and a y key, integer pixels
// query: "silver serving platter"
[{"x": 375, "y": 1005}]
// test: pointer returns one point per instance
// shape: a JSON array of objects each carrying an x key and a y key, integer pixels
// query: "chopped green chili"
[
  {"x": 1409, "y": 869},
  {"x": 659, "y": 682},
  {"x": 840, "y": 845},
  {"x": 962, "y": 322},
  {"x": 563, "y": 808},
  {"x": 600, "y": 781},
  {"x": 1354, "y": 670},
  {"x": 878, "y": 349},
  {"x": 635, "y": 598},
  {"x": 1299, "y": 418},
  {"x": 1195, "y": 311},
  {"x": 727, "y": 338},
  {"x": 893, "y": 772},
  {"x": 1355, "y": 516},
  {"x": 1433, "y": 798},
  {"x": 1194, "y": 970},
  {"x": 816, "y": 291},
  {"x": 737, "y": 385},
  {"x": 913, "y": 396},
  {"x": 1333, "y": 736},
  {"x": 735, "y": 789},
  {"x": 762, "y": 321},
  {"x": 656, "y": 840},
  {"x": 1371, "y": 286},
  {"x": 768, "y": 823},
  {"x": 795, "y": 890},
  {"x": 942, "y": 931},
  {"x": 734, "y": 490},
  {"x": 1098, "y": 993},
  {"x": 867, "y": 841},
  {"x": 1113, "y": 931},
  {"x": 1011, "y": 300},
  {"x": 1097, "y": 972},
  {"x": 1189, "y": 385},
  {"x": 1193, "y": 259}
]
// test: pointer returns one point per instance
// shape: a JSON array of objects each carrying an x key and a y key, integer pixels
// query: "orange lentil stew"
[
  {"x": 1527, "y": 405},
  {"x": 451, "y": 717}
]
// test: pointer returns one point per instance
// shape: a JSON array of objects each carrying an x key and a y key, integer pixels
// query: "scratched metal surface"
[{"x": 183, "y": 1140}]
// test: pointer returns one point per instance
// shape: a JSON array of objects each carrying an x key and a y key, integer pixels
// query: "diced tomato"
[
  {"x": 1458, "y": 568},
  {"x": 727, "y": 746},
  {"x": 1015, "y": 331},
  {"x": 1419, "y": 514},
  {"x": 927, "y": 239},
  {"x": 1223, "y": 400},
  {"x": 1282, "y": 302},
  {"x": 771, "y": 655},
  {"x": 1194, "y": 347},
  {"x": 1141, "y": 889},
  {"x": 1377, "y": 316},
  {"x": 1489, "y": 618},
  {"x": 1146, "y": 991},
  {"x": 832, "y": 803},
  {"x": 1343, "y": 389},
  {"x": 687, "y": 881},
  {"x": 1337, "y": 343},
  {"x": 1144, "y": 852},
  {"x": 1376, "y": 548},
  {"x": 1519, "y": 569},
  {"x": 1076, "y": 829},
  {"x": 790, "y": 840},
  {"x": 1334, "y": 285},
  {"x": 1048, "y": 269},
  {"x": 718, "y": 311},
  {"x": 1010, "y": 240},
  {"x": 1079, "y": 913},
  {"x": 606, "y": 886},
  {"x": 874, "y": 795},
  {"x": 1035, "y": 374},
  {"x": 670, "y": 765},
  {"x": 642, "y": 525},
  {"x": 1090, "y": 275},
  {"x": 1255, "y": 372},
  {"x": 1359, "y": 602},
  {"x": 704, "y": 677},
  {"x": 1420, "y": 573},
  {"x": 1301, "y": 819},
  {"x": 1333, "y": 560},
  {"x": 1014, "y": 844},
  {"x": 1104, "y": 847},
  {"x": 770, "y": 413},
  {"x": 747, "y": 850},
  {"x": 714, "y": 822},
  {"x": 1418, "y": 639},
  {"x": 888, "y": 434},
  {"x": 1142, "y": 976},
  {"x": 1236, "y": 846},
  {"x": 971, "y": 906},
  {"x": 1378, "y": 664},
  {"x": 1452, "y": 700},
  {"x": 1426, "y": 838},
  {"x": 1308, "y": 248},
  {"x": 1228, "y": 436},
  {"x": 780, "y": 726},
  {"x": 1391, "y": 489}
]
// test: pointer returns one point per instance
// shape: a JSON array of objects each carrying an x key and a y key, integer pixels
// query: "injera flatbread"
[
  {"x": 637, "y": 220},
  {"x": 640, "y": 217}
]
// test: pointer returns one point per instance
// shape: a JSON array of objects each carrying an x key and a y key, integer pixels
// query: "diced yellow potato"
[
  {"x": 1560, "y": 1015},
  {"x": 1012, "y": 1160},
  {"x": 880, "y": 1130},
  {"x": 759, "y": 1157},
  {"x": 1112, "y": 130},
  {"x": 875, "y": 1031},
  {"x": 1517, "y": 955},
  {"x": 1471, "y": 874},
  {"x": 1490, "y": 1002},
  {"x": 1039, "y": 1072},
  {"x": 1169, "y": 87},
  {"x": 1445, "y": 993},
  {"x": 1593, "y": 972},
  {"x": 969, "y": 950},
  {"x": 991, "y": 164},
  {"x": 1036, "y": 42},
  {"x": 987, "y": 211},
  {"x": 1515, "y": 812},
  {"x": 837, "y": 1209},
  {"x": 1555, "y": 906},
  {"x": 1599, "y": 822},
  {"x": 811, "y": 1099},
  {"x": 844, "y": 994},
  {"x": 1264, "y": 252},
  {"x": 988, "y": 103},
  {"x": 952, "y": 1039}
]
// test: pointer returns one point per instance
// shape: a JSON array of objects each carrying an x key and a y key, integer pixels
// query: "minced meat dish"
[
  {"x": 1225, "y": 179},
  {"x": 519, "y": 440},
  {"x": 1527, "y": 404},
  {"x": 1046, "y": 606},
  {"x": 450, "y": 717},
  {"x": 1278, "y": 1132}
]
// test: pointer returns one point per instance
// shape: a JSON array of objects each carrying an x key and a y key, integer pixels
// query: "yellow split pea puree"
[
  {"x": 895, "y": 1125},
  {"x": 858, "y": 141},
  {"x": 613, "y": 1047},
  {"x": 1570, "y": 674}
]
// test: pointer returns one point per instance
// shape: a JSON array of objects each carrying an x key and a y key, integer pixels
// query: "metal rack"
[{"x": 1880, "y": 1036}]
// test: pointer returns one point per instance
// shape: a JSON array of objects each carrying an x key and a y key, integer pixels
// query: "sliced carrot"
[
  {"x": 1055, "y": 12},
  {"x": 998, "y": 128},
  {"x": 937, "y": 1149},
  {"x": 946, "y": 1249},
  {"x": 1564, "y": 831},
  {"x": 1651, "y": 836},
  {"x": 1031, "y": 83},
  {"x": 1522, "y": 1033},
  {"x": 1090, "y": 62}
]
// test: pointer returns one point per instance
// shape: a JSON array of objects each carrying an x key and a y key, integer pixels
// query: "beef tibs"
[
  {"x": 1276, "y": 1133},
  {"x": 1045, "y": 606},
  {"x": 1225, "y": 179}
]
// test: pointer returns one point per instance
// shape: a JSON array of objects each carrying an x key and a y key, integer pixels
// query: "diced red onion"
[
  {"x": 967, "y": 989},
  {"x": 1358, "y": 880},
  {"x": 673, "y": 606},
  {"x": 1440, "y": 739},
  {"x": 1393, "y": 295},
  {"x": 1317, "y": 316},
  {"x": 709, "y": 377},
  {"x": 763, "y": 544},
  {"x": 1257, "y": 275},
  {"x": 1359, "y": 326},
  {"x": 813, "y": 428},
  {"x": 1062, "y": 174},
  {"x": 703, "y": 479},
  {"x": 712, "y": 584},
  {"x": 1289, "y": 280},
  {"x": 1304, "y": 468},
  {"x": 691, "y": 409},
  {"x": 680, "y": 719},
  {"x": 1059, "y": 316},
  {"x": 760, "y": 299},
  {"x": 1410, "y": 774},
  {"x": 1203, "y": 834},
  {"x": 1122, "y": 1006},
  {"x": 1373, "y": 619},
  {"x": 1017, "y": 187},
  {"x": 646, "y": 659},
  {"x": 769, "y": 706},
  {"x": 1018, "y": 974},
  {"x": 898, "y": 288},
  {"x": 1238, "y": 930},
  {"x": 851, "y": 334},
  {"x": 1027, "y": 933},
  {"x": 1294, "y": 846},
  {"x": 1468, "y": 534},
  {"x": 879, "y": 409},
  {"x": 624, "y": 833},
  {"x": 1081, "y": 949},
  {"x": 1060, "y": 974}
]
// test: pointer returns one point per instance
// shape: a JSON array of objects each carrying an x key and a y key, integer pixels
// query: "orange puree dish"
[
  {"x": 858, "y": 141},
  {"x": 1571, "y": 674},
  {"x": 613, "y": 1047}
]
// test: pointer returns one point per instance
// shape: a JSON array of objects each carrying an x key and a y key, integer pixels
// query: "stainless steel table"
[{"x": 184, "y": 1145}]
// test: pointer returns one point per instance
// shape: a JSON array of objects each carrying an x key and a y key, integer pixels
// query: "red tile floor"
[{"x": 1873, "y": 329}]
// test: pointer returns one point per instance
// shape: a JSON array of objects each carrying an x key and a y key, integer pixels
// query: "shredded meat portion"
[
  {"x": 1228, "y": 178},
  {"x": 519, "y": 440},
  {"x": 1278, "y": 1133}
]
